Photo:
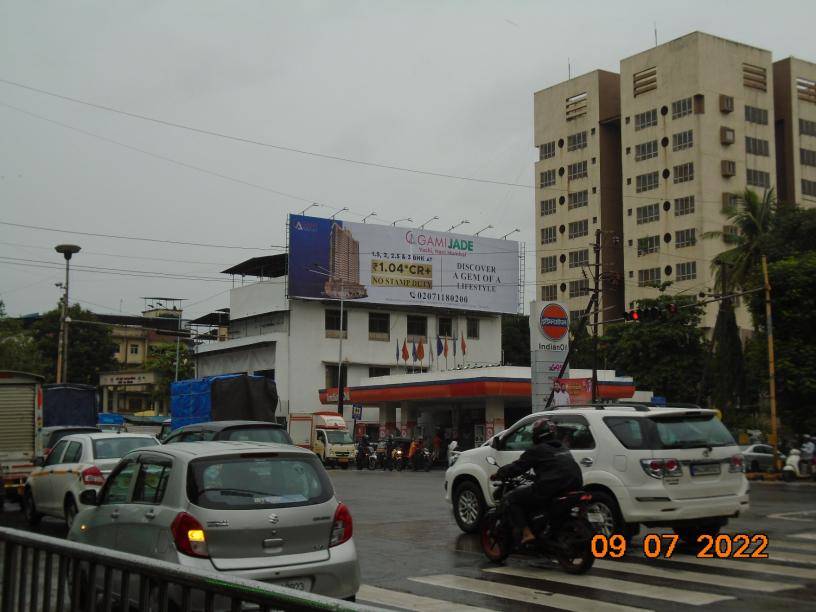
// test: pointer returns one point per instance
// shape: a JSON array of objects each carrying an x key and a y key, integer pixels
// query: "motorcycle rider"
[
  {"x": 555, "y": 472},
  {"x": 362, "y": 451},
  {"x": 388, "y": 460}
]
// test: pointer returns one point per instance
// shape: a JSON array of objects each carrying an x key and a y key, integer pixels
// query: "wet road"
[{"x": 413, "y": 556}]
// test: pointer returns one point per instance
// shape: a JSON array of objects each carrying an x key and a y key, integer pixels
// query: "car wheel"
[
  {"x": 70, "y": 511},
  {"x": 612, "y": 523},
  {"x": 32, "y": 517},
  {"x": 468, "y": 507},
  {"x": 689, "y": 535}
]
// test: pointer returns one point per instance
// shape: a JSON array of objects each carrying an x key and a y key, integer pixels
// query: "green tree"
[
  {"x": 726, "y": 371},
  {"x": 516, "y": 339},
  {"x": 162, "y": 360},
  {"x": 17, "y": 348},
  {"x": 667, "y": 355},
  {"x": 90, "y": 348}
]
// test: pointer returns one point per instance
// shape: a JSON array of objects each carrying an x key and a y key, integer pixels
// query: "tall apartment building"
[
  {"x": 795, "y": 113},
  {"x": 577, "y": 133},
  {"x": 697, "y": 127}
]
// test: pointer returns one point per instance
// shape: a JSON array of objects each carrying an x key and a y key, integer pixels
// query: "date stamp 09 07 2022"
[{"x": 723, "y": 546}]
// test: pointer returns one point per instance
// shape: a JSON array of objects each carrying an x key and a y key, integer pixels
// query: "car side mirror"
[
  {"x": 496, "y": 442},
  {"x": 88, "y": 498},
  {"x": 39, "y": 462}
]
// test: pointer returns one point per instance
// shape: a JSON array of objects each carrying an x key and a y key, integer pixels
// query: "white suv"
[{"x": 659, "y": 466}]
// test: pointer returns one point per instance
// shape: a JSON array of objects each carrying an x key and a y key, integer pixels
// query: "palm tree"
[{"x": 752, "y": 217}]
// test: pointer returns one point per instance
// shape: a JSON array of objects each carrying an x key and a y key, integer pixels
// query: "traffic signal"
[{"x": 631, "y": 315}]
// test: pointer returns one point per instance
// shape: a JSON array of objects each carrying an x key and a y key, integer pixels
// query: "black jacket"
[{"x": 552, "y": 462}]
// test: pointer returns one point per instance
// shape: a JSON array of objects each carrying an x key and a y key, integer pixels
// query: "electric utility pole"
[{"x": 596, "y": 279}]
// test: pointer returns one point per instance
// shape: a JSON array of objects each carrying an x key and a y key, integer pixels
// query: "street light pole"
[{"x": 67, "y": 251}]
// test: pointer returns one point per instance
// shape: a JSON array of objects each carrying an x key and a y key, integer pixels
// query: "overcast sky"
[{"x": 434, "y": 85}]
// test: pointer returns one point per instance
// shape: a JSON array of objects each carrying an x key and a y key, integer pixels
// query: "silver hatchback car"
[{"x": 259, "y": 511}]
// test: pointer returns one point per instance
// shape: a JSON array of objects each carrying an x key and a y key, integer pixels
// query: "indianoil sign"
[
  {"x": 383, "y": 264},
  {"x": 549, "y": 347}
]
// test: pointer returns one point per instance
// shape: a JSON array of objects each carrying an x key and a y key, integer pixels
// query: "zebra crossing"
[{"x": 786, "y": 579}]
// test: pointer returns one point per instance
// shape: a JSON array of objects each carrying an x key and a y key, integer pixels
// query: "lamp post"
[
  {"x": 483, "y": 229},
  {"x": 461, "y": 223},
  {"x": 371, "y": 214},
  {"x": 312, "y": 205},
  {"x": 344, "y": 209},
  {"x": 67, "y": 251},
  {"x": 405, "y": 219},
  {"x": 434, "y": 218},
  {"x": 510, "y": 233}
]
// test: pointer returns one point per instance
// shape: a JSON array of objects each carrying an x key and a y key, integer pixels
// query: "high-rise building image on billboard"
[{"x": 344, "y": 265}]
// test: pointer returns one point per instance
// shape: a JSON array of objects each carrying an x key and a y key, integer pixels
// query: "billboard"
[
  {"x": 549, "y": 347},
  {"x": 399, "y": 266}
]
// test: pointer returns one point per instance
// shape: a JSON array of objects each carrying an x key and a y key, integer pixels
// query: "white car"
[
  {"x": 78, "y": 462},
  {"x": 656, "y": 466}
]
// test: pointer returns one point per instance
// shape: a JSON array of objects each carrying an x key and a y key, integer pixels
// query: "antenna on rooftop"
[
  {"x": 655, "y": 31},
  {"x": 569, "y": 69}
]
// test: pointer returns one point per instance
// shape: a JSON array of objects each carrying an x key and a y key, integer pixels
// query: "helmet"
[{"x": 543, "y": 429}]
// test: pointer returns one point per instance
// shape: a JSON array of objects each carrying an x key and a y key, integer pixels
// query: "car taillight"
[
  {"x": 92, "y": 476},
  {"x": 658, "y": 468},
  {"x": 188, "y": 534},
  {"x": 342, "y": 526},
  {"x": 737, "y": 464}
]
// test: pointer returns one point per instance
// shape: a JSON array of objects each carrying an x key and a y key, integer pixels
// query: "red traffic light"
[{"x": 635, "y": 315}]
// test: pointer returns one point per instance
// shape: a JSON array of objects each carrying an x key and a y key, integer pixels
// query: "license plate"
[
  {"x": 705, "y": 469},
  {"x": 342, "y": 460},
  {"x": 298, "y": 584},
  {"x": 595, "y": 517}
]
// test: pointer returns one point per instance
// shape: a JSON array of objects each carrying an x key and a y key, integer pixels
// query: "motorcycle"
[
  {"x": 424, "y": 461},
  {"x": 372, "y": 458},
  {"x": 398, "y": 459},
  {"x": 791, "y": 471},
  {"x": 565, "y": 533},
  {"x": 364, "y": 457}
]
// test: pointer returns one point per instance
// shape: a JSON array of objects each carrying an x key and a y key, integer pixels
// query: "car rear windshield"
[
  {"x": 114, "y": 448},
  {"x": 257, "y": 481},
  {"x": 58, "y": 435},
  {"x": 339, "y": 437},
  {"x": 257, "y": 434},
  {"x": 668, "y": 432}
]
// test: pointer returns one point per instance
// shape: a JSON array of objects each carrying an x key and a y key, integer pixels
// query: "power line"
[
  {"x": 84, "y": 252},
  {"x": 260, "y": 143}
]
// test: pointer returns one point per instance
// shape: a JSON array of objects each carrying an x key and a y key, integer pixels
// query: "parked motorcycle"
[
  {"x": 398, "y": 459},
  {"x": 565, "y": 533},
  {"x": 372, "y": 459},
  {"x": 791, "y": 471}
]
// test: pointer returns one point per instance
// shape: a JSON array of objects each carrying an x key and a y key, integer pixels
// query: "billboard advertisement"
[{"x": 400, "y": 266}]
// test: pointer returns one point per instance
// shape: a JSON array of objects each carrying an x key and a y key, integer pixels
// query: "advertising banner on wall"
[
  {"x": 572, "y": 391},
  {"x": 549, "y": 347},
  {"x": 401, "y": 266}
]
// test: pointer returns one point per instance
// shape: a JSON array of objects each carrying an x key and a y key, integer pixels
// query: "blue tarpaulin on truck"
[
  {"x": 69, "y": 404},
  {"x": 220, "y": 398}
]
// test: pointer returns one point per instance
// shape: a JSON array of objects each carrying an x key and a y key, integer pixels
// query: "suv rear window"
[
  {"x": 257, "y": 434},
  {"x": 257, "y": 481},
  {"x": 659, "y": 432},
  {"x": 114, "y": 448},
  {"x": 59, "y": 434}
]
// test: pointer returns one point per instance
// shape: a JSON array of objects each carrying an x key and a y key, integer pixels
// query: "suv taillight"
[
  {"x": 92, "y": 476},
  {"x": 342, "y": 526},
  {"x": 659, "y": 468},
  {"x": 188, "y": 534},
  {"x": 737, "y": 464}
]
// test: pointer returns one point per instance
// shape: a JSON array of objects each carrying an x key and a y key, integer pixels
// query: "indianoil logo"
[{"x": 554, "y": 322}]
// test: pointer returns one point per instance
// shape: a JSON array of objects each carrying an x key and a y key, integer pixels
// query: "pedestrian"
[
  {"x": 806, "y": 458},
  {"x": 413, "y": 452},
  {"x": 388, "y": 461},
  {"x": 437, "y": 447}
]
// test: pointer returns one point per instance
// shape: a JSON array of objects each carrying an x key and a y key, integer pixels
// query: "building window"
[
  {"x": 134, "y": 349},
  {"x": 729, "y": 203},
  {"x": 681, "y": 108},
  {"x": 648, "y": 277},
  {"x": 728, "y": 167},
  {"x": 649, "y": 244},
  {"x": 579, "y": 288},
  {"x": 648, "y": 213},
  {"x": 379, "y": 326},
  {"x": 756, "y": 115},
  {"x": 134, "y": 404},
  {"x": 332, "y": 319},
  {"x": 578, "y": 228},
  {"x": 683, "y": 140},
  {"x": 647, "y": 119},
  {"x": 756, "y": 146},
  {"x": 686, "y": 270},
  {"x": 445, "y": 327},
  {"x": 473, "y": 328},
  {"x": 577, "y": 199},
  {"x": 754, "y": 76},
  {"x": 376, "y": 372},
  {"x": 549, "y": 293},
  {"x": 806, "y": 89},
  {"x": 548, "y": 207},
  {"x": 577, "y": 170},
  {"x": 417, "y": 327},
  {"x": 808, "y": 128},
  {"x": 809, "y": 188},
  {"x": 646, "y": 150},
  {"x": 577, "y": 141},
  {"x": 547, "y": 150},
  {"x": 685, "y": 238},
  {"x": 579, "y": 258},
  {"x": 547, "y": 178},
  {"x": 118, "y": 349},
  {"x": 807, "y": 157},
  {"x": 646, "y": 182},
  {"x": 331, "y": 376},
  {"x": 758, "y": 178},
  {"x": 683, "y": 206},
  {"x": 549, "y": 264},
  {"x": 548, "y": 235},
  {"x": 684, "y": 173}
]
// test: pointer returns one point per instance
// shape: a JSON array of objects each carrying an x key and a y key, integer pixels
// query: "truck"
[
  {"x": 325, "y": 434},
  {"x": 69, "y": 405},
  {"x": 225, "y": 397},
  {"x": 21, "y": 419}
]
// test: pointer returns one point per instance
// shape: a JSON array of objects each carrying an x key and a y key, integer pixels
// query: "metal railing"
[{"x": 45, "y": 574}]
